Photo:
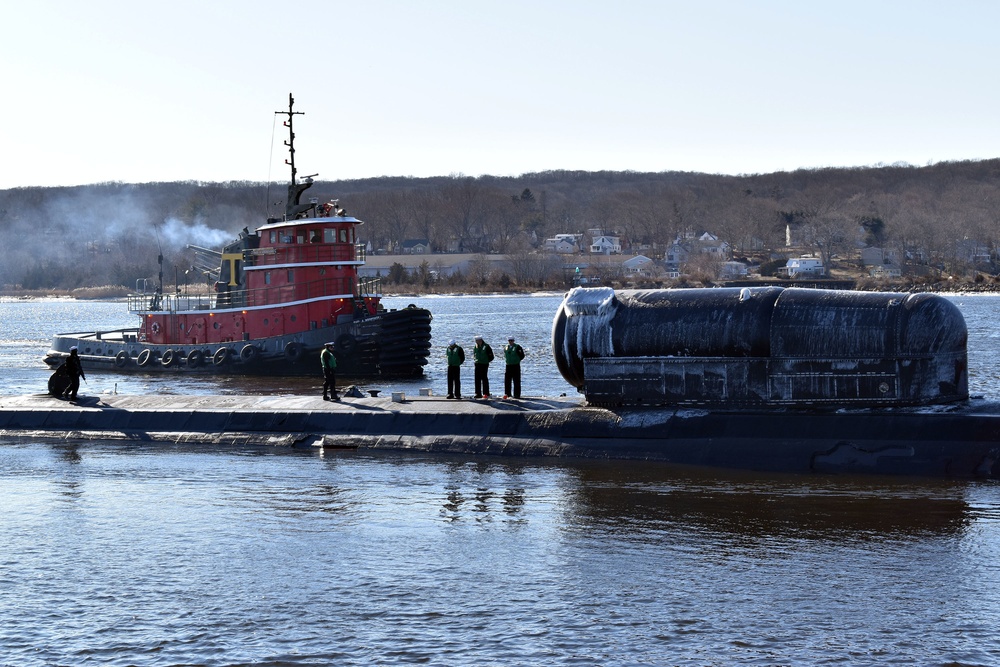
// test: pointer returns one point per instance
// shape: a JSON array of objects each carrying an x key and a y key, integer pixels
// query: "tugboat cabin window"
[
  {"x": 343, "y": 236},
  {"x": 274, "y": 236},
  {"x": 300, "y": 237},
  {"x": 314, "y": 236},
  {"x": 329, "y": 235},
  {"x": 267, "y": 277},
  {"x": 291, "y": 276},
  {"x": 287, "y": 238}
]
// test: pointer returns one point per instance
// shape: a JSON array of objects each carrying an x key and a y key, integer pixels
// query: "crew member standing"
[
  {"x": 456, "y": 357},
  {"x": 329, "y": 364},
  {"x": 75, "y": 370},
  {"x": 512, "y": 355},
  {"x": 482, "y": 355}
]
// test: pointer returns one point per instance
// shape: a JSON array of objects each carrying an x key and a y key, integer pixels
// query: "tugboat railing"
[
  {"x": 369, "y": 286},
  {"x": 274, "y": 295},
  {"x": 305, "y": 253}
]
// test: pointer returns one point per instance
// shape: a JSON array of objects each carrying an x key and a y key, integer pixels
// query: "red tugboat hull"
[{"x": 392, "y": 344}]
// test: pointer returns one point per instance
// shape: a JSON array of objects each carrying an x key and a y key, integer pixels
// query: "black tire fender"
[
  {"x": 221, "y": 356},
  {"x": 144, "y": 357},
  {"x": 346, "y": 344},
  {"x": 121, "y": 359},
  {"x": 249, "y": 354},
  {"x": 293, "y": 352},
  {"x": 195, "y": 358}
]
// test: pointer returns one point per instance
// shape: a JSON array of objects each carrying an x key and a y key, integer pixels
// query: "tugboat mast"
[
  {"x": 291, "y": 134},
  {"x": 292, "y": 207}
]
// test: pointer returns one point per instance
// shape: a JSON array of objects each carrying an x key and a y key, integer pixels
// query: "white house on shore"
[
  {"x": 802, "y": 266},
  {"x": 606, "y": 245}
]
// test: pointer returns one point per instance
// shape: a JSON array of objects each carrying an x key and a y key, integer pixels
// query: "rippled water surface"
[{"x": 125, "y": 553}]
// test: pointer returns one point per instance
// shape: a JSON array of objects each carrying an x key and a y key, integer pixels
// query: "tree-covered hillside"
[{"x": 111, "y": 233}]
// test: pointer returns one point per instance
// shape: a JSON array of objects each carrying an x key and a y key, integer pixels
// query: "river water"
[{"x": 130, "y": 553}]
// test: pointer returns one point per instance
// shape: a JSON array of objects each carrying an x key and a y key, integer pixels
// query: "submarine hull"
[{"x": 959, "y": 441}]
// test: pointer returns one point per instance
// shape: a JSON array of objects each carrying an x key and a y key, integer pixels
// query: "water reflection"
[
  {"x": 649, "y": 498},
  {"x": 69, "y": 477},
  {"x": 483, "y": 487},
  {"x": 70, "y": 453},
  {"x": 621, "y": 497}
]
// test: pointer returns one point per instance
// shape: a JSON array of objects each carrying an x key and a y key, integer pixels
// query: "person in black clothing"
[
  {"x": 482, "y": 355},
  {"x": 75, "y": 370},
  {"x": 456, "y": 357},
  {"x": 513, "y": 354},
  {"x": 329, "y": 363}
]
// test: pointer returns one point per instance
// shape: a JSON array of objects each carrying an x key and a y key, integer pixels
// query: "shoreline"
[{"x": 120, "y": 294}]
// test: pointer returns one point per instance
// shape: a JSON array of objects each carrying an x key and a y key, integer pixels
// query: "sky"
[{"x": 141, "y": 92}]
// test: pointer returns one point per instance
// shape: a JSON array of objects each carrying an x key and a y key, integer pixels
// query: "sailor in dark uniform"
[
  {"x": 75, "y": 370},
  {"x": 329, "y": 364}
]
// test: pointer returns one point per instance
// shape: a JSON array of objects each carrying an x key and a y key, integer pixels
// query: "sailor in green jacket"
[
  {"x": 482, "y": 355},
  {"x": 329, "y": 364},
  {"x": 512, "y": 355},
  {"x": 456, "y": 357}
]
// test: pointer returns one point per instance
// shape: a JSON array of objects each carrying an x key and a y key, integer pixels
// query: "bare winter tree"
[{"x": 528, "y": 267}]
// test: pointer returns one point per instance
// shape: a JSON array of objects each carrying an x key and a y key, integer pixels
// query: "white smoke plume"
[{"x": 176, "y": 234}]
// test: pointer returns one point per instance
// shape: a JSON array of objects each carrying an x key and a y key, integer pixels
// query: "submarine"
[{"x": 768, "y": 379}]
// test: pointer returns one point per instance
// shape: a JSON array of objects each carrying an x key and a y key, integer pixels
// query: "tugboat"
[{"x": 281, "y": 293}]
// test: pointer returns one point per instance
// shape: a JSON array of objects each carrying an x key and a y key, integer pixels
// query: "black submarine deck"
[{"x": 958, "y": 440}]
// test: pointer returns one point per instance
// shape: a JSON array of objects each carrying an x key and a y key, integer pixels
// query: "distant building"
[
  {"x": 676, "y": 255},
  {"x": 879, "y": 256},
  {"x": 681, "y": 251},
  {"x": 802, "y": 266},
  {"x": 562, "y": 243},
  {"x": 733, "y": 270},
  {"x": 640, "y": 265},
  {"x": 415, "y": 247},
  {"x": 970, "y": 250},
  {"x": 709, "y": 244},
  {"x": 883, "y": 271},
  {"x": 606, "y": 245}
]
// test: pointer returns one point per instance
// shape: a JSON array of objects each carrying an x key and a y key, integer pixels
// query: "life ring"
[
  {"x": 346, "y": 343},
  {"x": 168, "y": 358},
  {"x": 293, "y": 352},
  {"x": 144, "y": 357},
  {"x": 249, "y": 354},
  {"x": 155, "y": 328},
  {"x": 221, "y": 356},
  {"x": 195, "y": 358},
  {"x": 121, "y": 359}
]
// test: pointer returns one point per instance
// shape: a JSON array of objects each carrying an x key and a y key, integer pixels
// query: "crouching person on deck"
[{"x": 329, "y": 364}]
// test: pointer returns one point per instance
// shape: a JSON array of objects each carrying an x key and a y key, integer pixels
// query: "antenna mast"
[
  {"x": 293, "y": 209},
  {"x": 291, "y": 134}
]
